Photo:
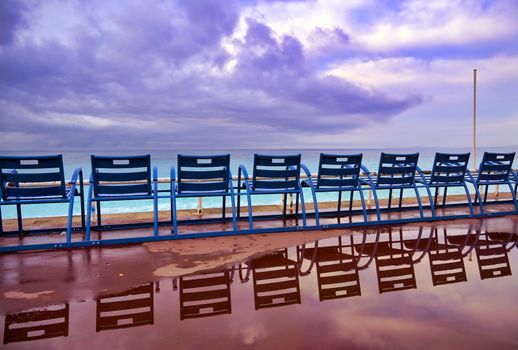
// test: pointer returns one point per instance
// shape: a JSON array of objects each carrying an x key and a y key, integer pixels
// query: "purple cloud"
[
  {"x": 11, "y": 18},
  {"x": 156, "y": 74}
]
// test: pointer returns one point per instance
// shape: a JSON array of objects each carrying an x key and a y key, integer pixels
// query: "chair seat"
[{"x": 388, "y": 186}]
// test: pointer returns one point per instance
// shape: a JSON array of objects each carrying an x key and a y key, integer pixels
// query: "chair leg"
[
  {"x": 339, "y": 203},
  {"x": 468, "y": 195},
  {"x": 419, "y": 203},
  {"x": 98, "y": 215},
  {"x": 19, "y": 218},
  {"x": 155, "y": 211},
  {"x": 224, "y": 207},
  {"x": 364, "y": 207},
  {"x": 285, "y": 200},
  {"x": 70, "y": 218},
  {"x": 82, "y": 199},
  {"x": 510, "y": 188},
  {"x": 239, "y": 193},
  {"x": 444, "y": 196},
  {"x": 436, "y": 195},
  {"x": 233, "y": 203},
  {"x": 303, "y": 207},
  {"x": 1, "y": 222},
  {"x": 315, "y": 205},
  {"x": 486, "y": 189},
  {"x": 250, "y": 212},
  {"x": 296, "y": 205},
  {"x": 390, "y": 199},
  {"x": 400, "y": 198},
  {"x": 478, "y": 198},
  {"x": 429, "y": 193},
  {"x": 88, "y": 214},
  {"x": 376, "y": 202},
  {"x": 173, "y": 214}
]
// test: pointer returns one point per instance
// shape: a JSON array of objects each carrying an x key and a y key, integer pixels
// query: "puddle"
[{"x": 418, "y": 288}]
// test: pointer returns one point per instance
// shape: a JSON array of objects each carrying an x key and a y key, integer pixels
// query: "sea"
[{"x": 164, "y": 158}]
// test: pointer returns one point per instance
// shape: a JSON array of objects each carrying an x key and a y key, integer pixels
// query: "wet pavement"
[{"x": 427, "y": 286}]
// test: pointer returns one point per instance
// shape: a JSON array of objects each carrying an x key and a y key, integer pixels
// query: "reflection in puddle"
[
  {"x": 131, "y": 308},
  {"x": 37, "y": 324},
  {"x": 393, "y": 259},
  {"x": 205, "y": 295}
]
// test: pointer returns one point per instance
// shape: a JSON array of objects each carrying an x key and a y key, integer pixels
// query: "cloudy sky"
[{"x": 256, "y": 74}]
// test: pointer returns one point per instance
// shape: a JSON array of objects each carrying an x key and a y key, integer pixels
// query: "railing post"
[{"x": 200, "y": 205}]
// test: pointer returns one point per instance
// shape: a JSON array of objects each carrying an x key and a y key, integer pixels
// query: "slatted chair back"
[
  {"x": 276, "y": 173},
  {"x": 121, "y": 176},
  {"x": 198, "y": 174},
  {"x": 205, "y": 295},
  {"x": 338, "y": 171},
  {"x": 32, "y": 177},
  {"x": 50, "y": 322},
  {"x": 449, "y": 168},
  {"x": 134, "y": 307},
  {"x": 495, "y": 167},
  {"x": 337, "y": 272},
  {"x": 397, "y": 169},
  {"x": 276, "y": 281}
]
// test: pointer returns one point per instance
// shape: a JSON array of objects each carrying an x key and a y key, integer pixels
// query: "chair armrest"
[
  {"x": 306, "y": 170},
  {"x": 243, "y": 170},
  {"x": 421, "y": 175},
  {"x": 368, "y": 174}
]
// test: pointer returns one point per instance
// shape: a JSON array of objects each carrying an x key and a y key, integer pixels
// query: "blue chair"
[
  {"x": 120, "y": 179},
  {"x": 38, "y": 180},
  {"x": 202, "y": 176},
  {"x": 272, "y": 174},
  {"x": 449, "y": 170},
  {"x": 336, "y": 173},
  {"x": 495, "y": 169},
  {"x": 396, "y": 172}
]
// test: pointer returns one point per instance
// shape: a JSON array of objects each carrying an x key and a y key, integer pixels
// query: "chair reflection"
[
  {"x": 446, "y": 260},
  {"x": 50, "y": 322},
  {"x": 492, "y": 257},
  {"x": 336, "y": 267},
  {"x": 276, "y": 280},
  {"x": 132, "y": 308},
  {"x": 205, "y": 295},
  {"x": 394, "y": 265},
  {"x": 490, "y": 250}
]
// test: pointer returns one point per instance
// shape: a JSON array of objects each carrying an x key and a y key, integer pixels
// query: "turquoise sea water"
[{"x": 163, "y": 159}]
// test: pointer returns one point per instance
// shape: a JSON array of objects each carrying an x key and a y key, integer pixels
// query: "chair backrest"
[
  {"x": 203, "y": 173},
  {"x": 275, "y": 280},
  {"x": 449, "y": 168},
  {"x": 49, "y": 322},
  {"x": 495, "y": 166},
  {"x": 339, "y": 170},
  {"x": 272, "y": 172},
  {"x": 134, "y": 307},
  {"x": 38, "y": 171},
  {"x": 397, "y": 169},
  {"x": 205, "y": 295},
  {"x": 121, "y": 176}
]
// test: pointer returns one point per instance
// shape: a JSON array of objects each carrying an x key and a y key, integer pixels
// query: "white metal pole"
[{"x": 474, "y": 119}]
